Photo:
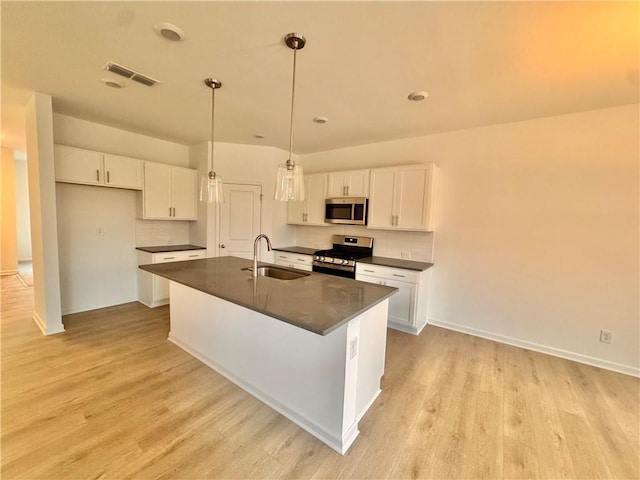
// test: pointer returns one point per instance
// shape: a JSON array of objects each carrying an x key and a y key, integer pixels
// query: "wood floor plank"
[{"x": 112, "y": 398}]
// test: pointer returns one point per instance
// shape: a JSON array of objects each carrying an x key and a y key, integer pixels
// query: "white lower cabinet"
[
  {"x": 408, "y": 306},
  {"x": 153, "y": 290},
  {"x": 294, "y": 260}
]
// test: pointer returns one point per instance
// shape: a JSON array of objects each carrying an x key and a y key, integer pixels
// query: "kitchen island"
[{"x": 312, "y": 348}]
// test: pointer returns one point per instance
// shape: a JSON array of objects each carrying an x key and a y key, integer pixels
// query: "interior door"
[{"x": 239, "y": 219}]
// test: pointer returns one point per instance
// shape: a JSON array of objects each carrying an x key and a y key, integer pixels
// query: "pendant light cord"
[
  {"x": 212, "y": 173},
  {"x": 290, "y": 162}
]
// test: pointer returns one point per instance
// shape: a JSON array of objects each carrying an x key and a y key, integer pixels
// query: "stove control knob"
[
  {"x": 344, "y": 262},
  {"x": 329, "y": 260}
]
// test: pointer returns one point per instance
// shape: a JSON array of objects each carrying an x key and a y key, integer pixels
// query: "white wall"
[
  {"x": 42, "y": 201},
  {"x": 100, "y": 271},
  {"x": 537, "y": 242},
  {"x": 96, "y": 270},
  {"x": 22, "y": 209},
  {"x": 248, "y": 164},
  {"x": 102, "y": 138}
]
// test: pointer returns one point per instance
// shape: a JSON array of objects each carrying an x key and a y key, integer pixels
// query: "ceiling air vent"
[{"x": 130, "y": 74}]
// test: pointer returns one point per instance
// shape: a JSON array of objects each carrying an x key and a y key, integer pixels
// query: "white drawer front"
[
  {"x": 389, "y": 273},
  {"x": 178, "y": 256},
  {"x": 287, "y": 257}
]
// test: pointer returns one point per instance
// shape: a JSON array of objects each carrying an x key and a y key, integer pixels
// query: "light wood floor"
[{"x": 112, "y": 398}]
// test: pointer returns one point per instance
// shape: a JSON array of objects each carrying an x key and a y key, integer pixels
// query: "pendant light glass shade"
[
  {"x": 211, "y": 184},
  {"x": 211, "y": 189},
  {"x": 290, "y": 181}
]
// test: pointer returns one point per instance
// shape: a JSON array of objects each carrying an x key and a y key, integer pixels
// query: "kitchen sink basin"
[{"x": 279, "y": 273}]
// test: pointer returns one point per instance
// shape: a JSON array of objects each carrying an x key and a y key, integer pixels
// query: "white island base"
[{"x": 324, "y": 384}]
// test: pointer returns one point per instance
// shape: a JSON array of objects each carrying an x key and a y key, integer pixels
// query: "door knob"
[{"x": 223, "y": 246}]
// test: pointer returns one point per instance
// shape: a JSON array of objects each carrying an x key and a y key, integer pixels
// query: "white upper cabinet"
[
  {"x": 402, "y": 198},
  {"x": 311, "y": 210},
  {"x": 122, "y": 172},
  {"x": 169, "y": 193},
  {"x": 353, "y": 183},
  {"x": 77, "y": 165}
]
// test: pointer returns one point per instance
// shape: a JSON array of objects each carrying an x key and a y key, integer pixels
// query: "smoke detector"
[
  {"x": 418, "y": 96},
  {"x": 169, "y": 31},
  {"x": 109, "y": 82}
]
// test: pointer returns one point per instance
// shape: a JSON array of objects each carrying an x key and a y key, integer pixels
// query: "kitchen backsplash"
[
  {"x": 158, "y": 232},
  {"x": 387, "y": 243}
]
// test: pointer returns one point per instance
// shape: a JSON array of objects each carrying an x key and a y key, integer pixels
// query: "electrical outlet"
[
  {"x": 606, "y": 336},
  {"x": 405, "y": 254},
  {"x": 169, "y": 242},
  {"x": 100, "y": 232}
]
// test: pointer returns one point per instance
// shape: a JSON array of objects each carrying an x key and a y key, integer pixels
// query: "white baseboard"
[
  {"x": 94, "y": 306},
  {"x": 339, "y": 445},
  {"x": 556, "y": 352},
  {"x": 42, "y": 326}
]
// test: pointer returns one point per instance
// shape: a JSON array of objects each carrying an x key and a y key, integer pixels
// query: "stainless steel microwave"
[{"x": 346, "y": 210}]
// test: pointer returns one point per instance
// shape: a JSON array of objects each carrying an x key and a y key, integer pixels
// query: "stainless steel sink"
[{"x": 279, "y": 273}]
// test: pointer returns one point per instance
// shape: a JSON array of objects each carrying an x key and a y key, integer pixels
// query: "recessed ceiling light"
[
  {"x": 258, "y": 135},
  {"x": 418, "y": 96},
  {"x": 169, "y": 31},
  {"x": 320, "y": 119},
  {"x": 111, "y": 83}
]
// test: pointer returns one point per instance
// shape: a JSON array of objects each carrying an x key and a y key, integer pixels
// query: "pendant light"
[
  {"x": 211, "y": 184},
  {"x": 289, "y": 183}
]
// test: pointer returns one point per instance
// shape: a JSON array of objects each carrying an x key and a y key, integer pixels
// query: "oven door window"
[{"x": 338, "y": 211}]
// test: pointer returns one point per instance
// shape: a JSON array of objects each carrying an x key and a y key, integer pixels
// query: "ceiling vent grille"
[{"x": 130, "y": 74}]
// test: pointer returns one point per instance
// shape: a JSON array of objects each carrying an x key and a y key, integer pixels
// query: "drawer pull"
[
  {"x": 396, "y": 275},
  {"x": 193, "y": 256},
  {"x": 169, "y": 258},
  {"x": 301, "y": 259},
  {"x": 370, "y": 271}
]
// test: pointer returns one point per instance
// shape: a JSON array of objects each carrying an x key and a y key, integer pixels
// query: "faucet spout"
[{"x": 256, "y": 242}]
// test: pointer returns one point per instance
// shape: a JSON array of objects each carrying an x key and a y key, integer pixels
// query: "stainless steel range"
[{"x": 341, "y": 259}]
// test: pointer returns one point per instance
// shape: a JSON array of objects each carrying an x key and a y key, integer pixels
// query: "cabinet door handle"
[
  {"x": 98, "y": 175},
  {"x": 108, "y": 180},
  {"x": 223, "y": 246},
  {"x": 282, "y": 256},
  {"x": 396, "y": 275},
  {"x": 169, "y": 211}
]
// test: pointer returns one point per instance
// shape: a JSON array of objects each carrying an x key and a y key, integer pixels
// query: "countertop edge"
[{"x": 169, "y": 248}]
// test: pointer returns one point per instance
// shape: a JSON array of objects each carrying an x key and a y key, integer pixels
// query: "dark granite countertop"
[
  {"x": 318, "y": 303},
  {"x": 396, "y": 263},
  {"x": 301, "y": 250},
  {"x": 169, "y": 248}
]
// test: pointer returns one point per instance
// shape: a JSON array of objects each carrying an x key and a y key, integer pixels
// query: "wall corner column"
[{"x": 44, "y": 228}]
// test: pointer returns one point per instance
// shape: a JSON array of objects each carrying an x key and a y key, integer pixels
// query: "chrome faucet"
[{"x": 256, "y": 242}]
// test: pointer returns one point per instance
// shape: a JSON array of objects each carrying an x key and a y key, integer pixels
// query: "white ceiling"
[{"x": 481, "y": 62}]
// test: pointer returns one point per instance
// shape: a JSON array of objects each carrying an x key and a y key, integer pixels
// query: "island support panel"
[{"x": 324, "y": 384}]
